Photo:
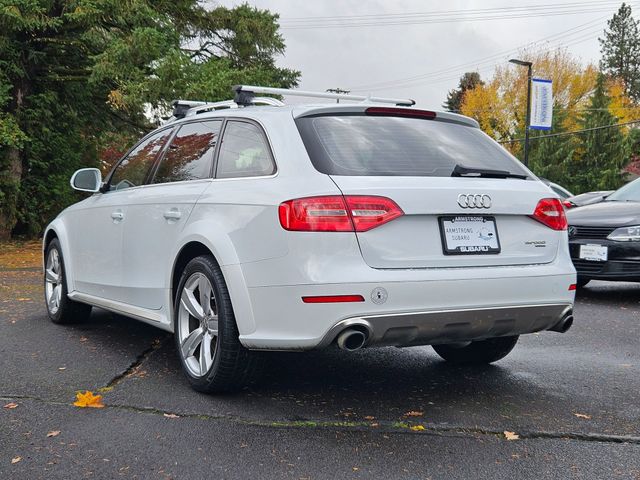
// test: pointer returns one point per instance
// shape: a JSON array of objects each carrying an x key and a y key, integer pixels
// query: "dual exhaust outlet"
[
  {"x": 352, "y": 339},
  {"x": 565, "y": 322}
]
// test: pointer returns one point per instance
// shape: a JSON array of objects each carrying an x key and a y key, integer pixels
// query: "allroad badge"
[{"x": 474, "y": 201}]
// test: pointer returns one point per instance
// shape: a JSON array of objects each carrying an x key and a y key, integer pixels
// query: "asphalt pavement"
[{"x": 571, "y": 399}]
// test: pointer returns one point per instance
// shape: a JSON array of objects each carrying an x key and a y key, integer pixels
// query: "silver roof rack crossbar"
[
  {"x": 245, "y": 94},
  {"x": 187, "y": 108}
]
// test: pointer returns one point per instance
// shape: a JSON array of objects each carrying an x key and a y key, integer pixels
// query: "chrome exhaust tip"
[
  {"x": 351, "y": 339},
  {"x": 564, "y": 324}
]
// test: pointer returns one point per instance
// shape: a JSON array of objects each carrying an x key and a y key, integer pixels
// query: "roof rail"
[
  {"x": 246, "y": 93},
  {"x": 187, "y": 108}
]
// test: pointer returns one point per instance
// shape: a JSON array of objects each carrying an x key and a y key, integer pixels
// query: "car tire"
[
  {"x": 478, "y": 352},
  {"x": 217, "y": 361},
  {"x": 60, "y": 308},
  {"x": 581, "y": 282}
]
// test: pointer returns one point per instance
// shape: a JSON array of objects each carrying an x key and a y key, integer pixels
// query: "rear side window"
[
  {"x": 244, "y": 152},
  {"x": 133, "y": 170},
  {"x": 190, "y": 154},
  {"x": 396, "y": 146}
]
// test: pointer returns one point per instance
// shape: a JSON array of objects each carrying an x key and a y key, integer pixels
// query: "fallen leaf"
[
  {"x": 11, "y": 405},
  {"x": 15, "y": 460},
  {"x": 414, "y": 414},
  {"x": 88, "y": 399},
  {"x": 369, "y": 417},
  {"x": 511, "y": 435},
  {"x": 23, "y": 299},
  {"x": 582, "y": 415},
  {"x": 171, "y": 415},
  {"x": 83, "y": 339},
  {"x": 62, "y": 368},
  {"x": 417, "y": 428},
  {"x": 53, "y": 433}
]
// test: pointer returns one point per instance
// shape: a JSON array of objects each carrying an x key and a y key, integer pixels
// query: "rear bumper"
[
  {"x": 449, "y": 326},
  {"x": 467, "y": 304}
]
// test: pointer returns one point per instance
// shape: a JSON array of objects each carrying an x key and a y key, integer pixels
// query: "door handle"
[
  {"x": 117, "y": 216},
  {"x": 173, "y": 214}
]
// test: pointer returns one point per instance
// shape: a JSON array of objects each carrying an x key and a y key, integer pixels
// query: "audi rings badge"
[{"x": 474, "y": 201}]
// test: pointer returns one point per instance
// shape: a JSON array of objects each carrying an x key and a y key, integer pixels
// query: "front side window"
[
  {"x": 244, "y": 152},
  {"x": 133, "y": 170},
  {"x": 190, "y": 154}
]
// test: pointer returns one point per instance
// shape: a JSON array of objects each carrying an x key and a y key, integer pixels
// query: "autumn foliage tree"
[
  {"x": 455, "y": 97},
  {"x": 78, "y": 77},
  {"x": 583, "y": 99}
]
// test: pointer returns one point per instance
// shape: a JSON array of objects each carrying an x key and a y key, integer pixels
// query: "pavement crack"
[
  {"x": 155, "y": 345},
  {"x": 383, "y": 427}
]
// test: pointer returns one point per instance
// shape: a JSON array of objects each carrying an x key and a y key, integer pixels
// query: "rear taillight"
[
  {"x": 567, "y": 204},
  {"x": 549, "y": 211},
  {"x": 337, "y": 213}
]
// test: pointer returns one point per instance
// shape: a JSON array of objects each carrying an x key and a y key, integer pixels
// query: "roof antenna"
[{"x": 338, "y": 90}]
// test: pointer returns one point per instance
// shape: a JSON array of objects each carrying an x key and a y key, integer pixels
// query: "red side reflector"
[
  {"x": 400, "y": 112},
  {"x": 550, "y": 212},
  {"x": 573, "y": 286},
  {"x": 333, "y": 299},
  {"x": 337, "y": 213}
]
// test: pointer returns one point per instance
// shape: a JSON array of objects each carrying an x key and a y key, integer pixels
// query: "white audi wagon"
[{"x": 252, "y": 225}]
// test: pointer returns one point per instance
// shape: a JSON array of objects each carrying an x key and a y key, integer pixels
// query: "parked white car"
[{"x": 298, "y": 227}]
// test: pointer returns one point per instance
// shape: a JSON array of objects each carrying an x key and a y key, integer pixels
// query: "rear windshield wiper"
[{"x": 461, "y": 171}]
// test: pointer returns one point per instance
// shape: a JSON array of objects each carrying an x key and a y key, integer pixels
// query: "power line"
[
  {"x": 449, "y": 16},
  {"x": 573, "y": 132},
  {"x": 457, "y": 11},
  {"x": 582, "y": 28}
]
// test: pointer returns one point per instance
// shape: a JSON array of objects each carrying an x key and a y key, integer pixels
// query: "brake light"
[
  {"x": 572, "y": 287},
  {"x": 400, "y": 112},
  {"x": 549, "y": 212},
  {"x": 567, "y": 204},
  {"x": 337, "y": 213}
]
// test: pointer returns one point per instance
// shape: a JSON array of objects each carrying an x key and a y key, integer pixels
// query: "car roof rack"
[
  {"x": 188, "y": 108},
  {"x": 245, "y": 95}
]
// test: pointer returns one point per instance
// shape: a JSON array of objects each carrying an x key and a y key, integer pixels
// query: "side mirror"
[{"x": 87, "y": 180}]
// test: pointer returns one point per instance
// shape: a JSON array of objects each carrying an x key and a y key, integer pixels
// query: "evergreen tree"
[
  {"x": 599, "y": 162},
  {"x": 620, "y": 49},
  {"x": 455, "y": 97},
  {"x": 77, "y": 74},
  {"x": 549, "y": 157}
]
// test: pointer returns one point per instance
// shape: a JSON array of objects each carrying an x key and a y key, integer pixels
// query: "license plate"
[
  {"x": 595, "y": 253},
  {"x": 465, "y": 235}
]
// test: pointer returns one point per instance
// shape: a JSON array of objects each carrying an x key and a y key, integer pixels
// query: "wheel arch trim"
[
  {"x": 58, "y": 229},
  {"x": 231, "y": 271}
]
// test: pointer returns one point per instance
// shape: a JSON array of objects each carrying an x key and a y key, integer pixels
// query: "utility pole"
[
  {"x": 529, "y": 66},
  {"x": 338, "y": 90}
]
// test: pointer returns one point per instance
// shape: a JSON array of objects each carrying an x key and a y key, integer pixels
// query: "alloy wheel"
[
  {"x": 53, "y": 281},
  {"x": 197, "y": 324}
]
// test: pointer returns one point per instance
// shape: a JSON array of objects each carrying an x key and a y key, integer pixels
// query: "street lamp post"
[{"x": 529, "y": 66}]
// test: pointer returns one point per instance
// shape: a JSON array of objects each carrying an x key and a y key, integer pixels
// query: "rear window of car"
[{"x": 396, "y": 146}]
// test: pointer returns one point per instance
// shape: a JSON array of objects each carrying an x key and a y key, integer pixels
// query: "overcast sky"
[{"x": 407, "y": 51}]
